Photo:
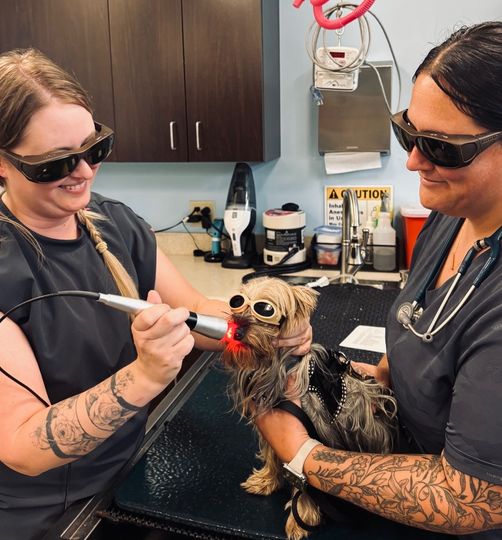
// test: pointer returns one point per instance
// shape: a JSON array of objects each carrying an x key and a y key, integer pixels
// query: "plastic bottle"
[
  {"x": 384, "y": 244},
  {"x": 370, "y": 227}
]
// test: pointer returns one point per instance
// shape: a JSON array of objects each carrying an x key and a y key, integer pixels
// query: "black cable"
[
  {"x": 182, "y": 220},
  {"x": 20, "y": 383},
  {"x": 169, "y": 228},
  {"x": 84, "y": 294},
  {"x": 222, "y": 234},
  {"x": 276, "y": 270},
  {"x": 197, "y": 251},
  {"x": 288, "y": 256},
  {"x": 213, "y": 226},
  {"x": 279, "y": 268},
  {"x": 193, "y": 239}
]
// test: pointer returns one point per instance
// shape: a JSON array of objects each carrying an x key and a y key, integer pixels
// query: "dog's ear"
[{"x": 306, "y": 300}]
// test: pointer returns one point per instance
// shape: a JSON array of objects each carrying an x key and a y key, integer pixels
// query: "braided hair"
[{"x": 122, "y": 279}]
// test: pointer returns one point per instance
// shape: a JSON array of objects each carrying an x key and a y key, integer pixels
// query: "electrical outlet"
[{"x": 200, "y": 205}]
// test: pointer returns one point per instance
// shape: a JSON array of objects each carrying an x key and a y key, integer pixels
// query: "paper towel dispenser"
[{"x": 357, "y": 121}]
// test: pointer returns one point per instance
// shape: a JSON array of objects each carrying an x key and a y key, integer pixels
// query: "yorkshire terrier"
[{"x": 348, "y": 411}]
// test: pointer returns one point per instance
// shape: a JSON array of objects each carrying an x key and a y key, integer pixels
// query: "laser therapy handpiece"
[{"x": 206, "y": 325}]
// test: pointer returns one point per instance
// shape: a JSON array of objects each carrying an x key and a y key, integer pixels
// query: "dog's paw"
[
  {"x": 308, "y": 512},
  {"x": 259, "y": 484},
  {"x": 293, "y": 530}
]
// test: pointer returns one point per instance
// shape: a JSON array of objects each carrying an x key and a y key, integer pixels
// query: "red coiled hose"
[{"x": 335, "y": 24}]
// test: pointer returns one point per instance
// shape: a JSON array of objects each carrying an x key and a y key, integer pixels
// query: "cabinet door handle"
[
  {"x": 197, "y": 135},
  {"x": 171, "y": 135}
]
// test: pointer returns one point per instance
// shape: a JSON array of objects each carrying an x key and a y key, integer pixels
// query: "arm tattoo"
[
  {"x": 419, "y": 490},
  {"x": 105, "y": 409},
  {"x": 102, "y": 407}
]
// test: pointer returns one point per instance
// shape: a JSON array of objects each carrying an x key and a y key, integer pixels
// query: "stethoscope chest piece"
[{"x": 408, "y": 313}]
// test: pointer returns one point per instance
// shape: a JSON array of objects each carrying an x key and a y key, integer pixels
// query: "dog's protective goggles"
[
  {"x": 263, "y": 310},
  {"x": 56, "y": 165},
  {"x": 449, "y": 151}
]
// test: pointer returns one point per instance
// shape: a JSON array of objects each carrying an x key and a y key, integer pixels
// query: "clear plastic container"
[
  {"x": 384, "y": 244},
  {"x": 328, "y": 234},
  {"x": 327, "y": 254}
]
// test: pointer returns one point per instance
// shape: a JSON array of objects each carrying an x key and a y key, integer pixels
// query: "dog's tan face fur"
[{"x": 295, "y": 304}]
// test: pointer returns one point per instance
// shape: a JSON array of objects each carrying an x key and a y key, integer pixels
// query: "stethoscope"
[{"x": 409, "y": 312}]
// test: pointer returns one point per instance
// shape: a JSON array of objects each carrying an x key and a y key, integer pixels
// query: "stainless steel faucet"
[{"x": 351, "y": 247}]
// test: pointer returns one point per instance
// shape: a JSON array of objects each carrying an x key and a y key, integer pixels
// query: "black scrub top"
[
  {"x": 78, "y": 343},
  {"x": 449, "y": 390}
]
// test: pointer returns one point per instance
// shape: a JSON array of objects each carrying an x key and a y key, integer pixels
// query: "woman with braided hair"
[{"x": 94, "y": 372}]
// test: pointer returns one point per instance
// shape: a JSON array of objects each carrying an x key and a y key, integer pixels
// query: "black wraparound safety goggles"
[
  {"x": 263, "y": 310},
  {"x": 56, "y": 165},
  {"x": 449, "y": 151}
]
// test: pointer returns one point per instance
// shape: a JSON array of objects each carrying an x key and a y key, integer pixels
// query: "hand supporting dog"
[{"x": 347, "y": 410}]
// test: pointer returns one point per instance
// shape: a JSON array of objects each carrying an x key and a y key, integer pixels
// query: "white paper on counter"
[
  {"x": 342, "y": 162},
  {"x": 366, "y": 338}
]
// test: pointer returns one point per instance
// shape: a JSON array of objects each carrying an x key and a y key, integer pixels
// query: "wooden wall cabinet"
[
  {"x": 232, "y": 79},
  {"x": 146, "y": 40},
  {"x": 178, "y": 80},
  {"x": 75, "y": 34}
]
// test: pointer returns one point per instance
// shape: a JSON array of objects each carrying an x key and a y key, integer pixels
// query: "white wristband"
[{"x": 296, "y": 464}]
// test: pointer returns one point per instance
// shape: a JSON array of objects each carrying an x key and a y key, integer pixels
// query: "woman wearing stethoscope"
[{"x": 444, "y": 332}]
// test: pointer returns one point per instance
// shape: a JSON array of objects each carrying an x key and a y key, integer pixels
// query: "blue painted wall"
[{"x": 160, "y": 192}]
